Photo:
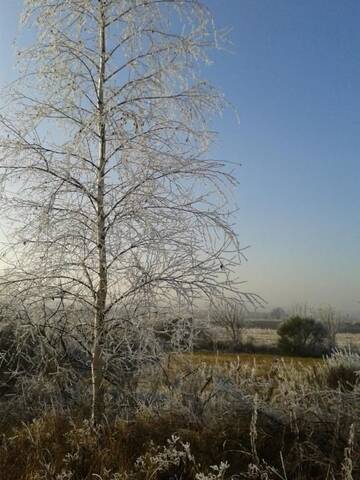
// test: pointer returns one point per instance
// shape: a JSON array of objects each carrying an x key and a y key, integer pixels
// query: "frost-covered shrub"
[
  {"x": 175, "y": 460},
  {"x": 7, "y": 347},
  {"x": 342, "y": 369}
]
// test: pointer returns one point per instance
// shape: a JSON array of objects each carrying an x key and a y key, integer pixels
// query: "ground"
[{"x": 262, "y": 363}]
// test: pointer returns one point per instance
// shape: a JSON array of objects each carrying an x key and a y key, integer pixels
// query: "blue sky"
[
  {"x": 293, "y": 73},
  {"x": 294, "y": 76}
]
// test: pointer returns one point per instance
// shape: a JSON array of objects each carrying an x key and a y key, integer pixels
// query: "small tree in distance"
[
  {"x": 331, "y": 319},
  {"x": 231, "y": 316},
  {"x": 111, "y": 200},
  {"x": 277, "y": 313}
]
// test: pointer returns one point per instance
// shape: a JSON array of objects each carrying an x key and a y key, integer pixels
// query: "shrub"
[
  {"x": 302, "y": 336},
  {"x": 342, "y": 369}
]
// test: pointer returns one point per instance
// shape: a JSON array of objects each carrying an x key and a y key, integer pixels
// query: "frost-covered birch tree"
[{"x": 110, "y": 197}]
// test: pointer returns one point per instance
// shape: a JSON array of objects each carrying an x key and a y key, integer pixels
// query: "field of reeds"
[{"x": 200, "y": 416}]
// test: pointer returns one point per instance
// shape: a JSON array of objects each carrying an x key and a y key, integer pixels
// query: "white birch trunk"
[{"x": 98, "y": 332}]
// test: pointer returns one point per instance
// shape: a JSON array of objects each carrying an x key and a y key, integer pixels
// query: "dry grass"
[
  {"x": 265, "y": 416},
  {"x": 262, "y": 363},
  {"x": 290, "y": 425}
]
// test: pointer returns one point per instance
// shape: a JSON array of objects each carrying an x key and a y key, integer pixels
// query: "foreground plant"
[{"x": 284, "y": 424}]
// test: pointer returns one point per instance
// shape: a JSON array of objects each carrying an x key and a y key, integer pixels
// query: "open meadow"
[{"x": 261, "y": 363}]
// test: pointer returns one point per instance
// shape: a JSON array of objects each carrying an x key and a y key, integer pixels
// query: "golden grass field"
[
  {"x": 221, "y": 358},
  {"x": 262, "y": 362}
]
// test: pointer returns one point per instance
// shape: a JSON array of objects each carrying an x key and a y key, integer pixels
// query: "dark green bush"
[{"x": 302, "y": 336}]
